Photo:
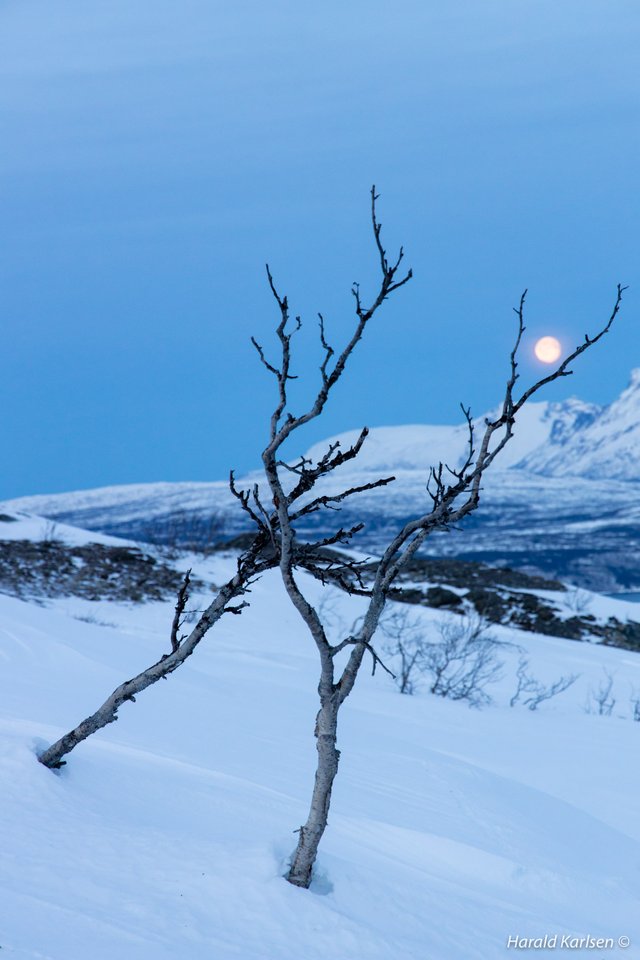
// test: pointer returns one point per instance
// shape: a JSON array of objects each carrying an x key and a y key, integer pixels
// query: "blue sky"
[{"x": 156, "y": 154}]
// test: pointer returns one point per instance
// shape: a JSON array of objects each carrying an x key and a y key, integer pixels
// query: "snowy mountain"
[
  {"x": 167, "y": 834},
  {"x": 417, "y": 447},
  {"x": 567, "y": 439},
  {"x": 605, "y": 445},
  {"x": 562, "y": 500}
]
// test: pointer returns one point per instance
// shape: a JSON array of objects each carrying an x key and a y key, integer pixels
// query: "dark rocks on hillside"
[
  {"x": 465, "y": 573},
  {"x": 624, "y": 635},
  {"x": 93, "y": 571},
  {"x": 509, "y": 597}
]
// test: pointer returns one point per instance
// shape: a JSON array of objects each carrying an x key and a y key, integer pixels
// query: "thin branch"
[
  {"x": 237, "y": 609},
  {"x": 366, "y": 645},
  {"x": 183, "y": 597},
  {"x": 327, "y": 463},
  {"x": 341, "y": 536},
  {"x": 263, "y": 359},
  {"x": 343, "y": 576},
  {"x": 297, "y": 468},
  {"x": 270, "y": 521},
  {"x": 562, "y": 370},
  {"x": 327, "y": 501},
  {"x": 329, "y": 378},
  {"x": 387, "y": 271},
  {"x": 243, "y": 498},
  {"x": 328, "y": 351}
]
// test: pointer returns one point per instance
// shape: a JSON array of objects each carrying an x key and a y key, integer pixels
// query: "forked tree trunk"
[{"x": 311, "y": 833}]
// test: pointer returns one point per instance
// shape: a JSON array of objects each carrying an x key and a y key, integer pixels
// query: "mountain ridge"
[{"x": 586, "y": 530}]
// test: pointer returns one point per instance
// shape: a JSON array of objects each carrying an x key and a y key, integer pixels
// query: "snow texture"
[{"x": 167, "y": 834}]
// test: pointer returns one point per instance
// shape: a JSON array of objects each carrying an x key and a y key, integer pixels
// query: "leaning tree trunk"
[
  {"x": 311, "y": 833},
  {"x": 52, "y": 757}
]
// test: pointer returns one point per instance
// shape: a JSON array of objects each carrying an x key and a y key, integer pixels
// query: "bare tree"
[
  {"x": 634, "y": 703},
  {"x": 293, "y": 495},
  {"x": 531, "y": 692}
]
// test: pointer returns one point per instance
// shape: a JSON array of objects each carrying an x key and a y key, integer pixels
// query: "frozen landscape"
[
  {"x": 155, "y": 156},
  {"x": 564, "y": 499},
  {"x": 167, "y": 834}
]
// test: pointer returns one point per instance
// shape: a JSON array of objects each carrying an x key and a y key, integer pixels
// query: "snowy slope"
[
  {"x": 26, "y": 526},
  {"x": 167, "y": 834},
  {"x": 96, "y": 509},
  {"x": 562, "y": 500}
]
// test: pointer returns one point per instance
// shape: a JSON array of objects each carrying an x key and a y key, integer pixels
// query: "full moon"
[{"x": 547, "y": 349}]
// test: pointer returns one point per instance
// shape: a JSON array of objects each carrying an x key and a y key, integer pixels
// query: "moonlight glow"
[{"x": 547, "y": 349}]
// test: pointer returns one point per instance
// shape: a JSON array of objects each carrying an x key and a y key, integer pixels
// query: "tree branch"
[
  {"x": 357, "y": 641},
  {"x": 181, "y": 603}
]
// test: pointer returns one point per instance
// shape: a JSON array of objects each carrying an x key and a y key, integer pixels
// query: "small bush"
[
  {"x": 600, "y": 699},
  {"x": 531, "y": 692},
  {"x": 459, "y": 665}
]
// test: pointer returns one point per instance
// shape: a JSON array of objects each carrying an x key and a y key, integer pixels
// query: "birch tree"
[
  {"x": 292, "y": 493},
  {"x": 453, "y": 494}
]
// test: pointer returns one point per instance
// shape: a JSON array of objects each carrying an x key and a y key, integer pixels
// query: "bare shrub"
[
  {"x": 600, "y": 699},
  {"x": 463, "y": 662},
  {"x": 91, "y": 618},
  {"x": 578, "y": 601},
  {"x": 634, "y": 702},
  {"x": 404, "y": 639},
  {"x": 51, "y": 533},
  {"x": 532, "y": 692}
]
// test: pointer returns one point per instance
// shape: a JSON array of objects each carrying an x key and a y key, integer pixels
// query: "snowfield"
[{"x": 167, "y": 834}]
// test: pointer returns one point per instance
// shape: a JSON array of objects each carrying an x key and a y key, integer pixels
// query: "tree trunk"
[
  {"x": 311, "y": 833},
  {"x": 108, "y": 712}
]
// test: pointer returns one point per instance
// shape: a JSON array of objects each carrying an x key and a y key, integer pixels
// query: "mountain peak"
[
  {"x": 603, "y": 443},
  {"x": 541, "y": 428}
]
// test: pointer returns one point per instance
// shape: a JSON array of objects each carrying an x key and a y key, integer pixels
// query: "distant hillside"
[{"x": 563, "y": 500}]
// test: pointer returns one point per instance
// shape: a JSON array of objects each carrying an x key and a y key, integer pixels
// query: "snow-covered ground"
[{"x": 167, "y": 834}]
